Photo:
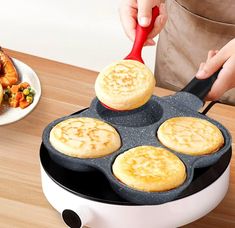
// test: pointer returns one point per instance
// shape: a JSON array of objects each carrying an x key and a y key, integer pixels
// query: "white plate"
[{"x": 26, "y": 74}]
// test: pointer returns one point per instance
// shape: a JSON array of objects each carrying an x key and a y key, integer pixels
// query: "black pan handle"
[{"x": 201, "y": 87}]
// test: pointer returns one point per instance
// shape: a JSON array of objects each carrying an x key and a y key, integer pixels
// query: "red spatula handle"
[{"x": 141, "y": 36}]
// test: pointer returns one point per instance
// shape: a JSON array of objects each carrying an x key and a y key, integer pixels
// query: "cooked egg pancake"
[
  {"x": 84, "y": 137},
  {"x": 125, "y": 85},
  {"x": 148, "y": 168},
  {"x": 190, "y": 135}
]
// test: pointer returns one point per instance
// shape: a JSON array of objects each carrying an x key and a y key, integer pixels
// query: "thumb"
[
  {"x": 144, "y": 12},
  {"x": 211, "y": 66}
]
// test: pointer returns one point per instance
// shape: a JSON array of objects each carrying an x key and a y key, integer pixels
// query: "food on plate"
[
  {"x": 84, "y": 137},
  {"x": 16, "y": 95},
  {"x": 1, "y": 94},
  {"x": 189, "y": 135},
  {"x": 8, "y": 73},
  {"x": 150, "y": 169},
  {"x": 125, "y": 85},
  {"x": 20, "y": 95}
]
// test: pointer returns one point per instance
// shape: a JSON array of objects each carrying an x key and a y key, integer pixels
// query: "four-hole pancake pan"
[
  {"x": 139, "y": 127},
  {"x": 87, "y": 199}
]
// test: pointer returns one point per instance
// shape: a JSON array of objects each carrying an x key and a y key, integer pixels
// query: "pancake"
[
  {"x": 125, "y": 85},
  {"x": 192, "y": 136},
  {"x": 150, "y": 169},
  {"x": 84, "y": 137}
]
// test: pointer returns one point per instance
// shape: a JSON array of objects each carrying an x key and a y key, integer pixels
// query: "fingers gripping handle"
[
  {"x": 201, "y": 87},
  {"x": 141, "y": 36}
]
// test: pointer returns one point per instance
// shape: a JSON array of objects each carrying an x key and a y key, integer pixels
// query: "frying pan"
[{"x": 138, "y": 127}]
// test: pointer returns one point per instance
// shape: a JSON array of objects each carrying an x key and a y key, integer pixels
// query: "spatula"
[{"x": 140, "y": 38}]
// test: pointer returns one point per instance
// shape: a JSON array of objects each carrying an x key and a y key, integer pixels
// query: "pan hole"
[{"x": 145, "y": 115}]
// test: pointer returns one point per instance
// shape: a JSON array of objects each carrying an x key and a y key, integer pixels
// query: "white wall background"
[{"x": 79, "y": 32}]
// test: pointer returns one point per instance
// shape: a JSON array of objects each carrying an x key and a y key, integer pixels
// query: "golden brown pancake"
[
  {"x": 150, "y": 169},
  {"x": 189, "y": 135},
  {"x": 125, "y": 85},
  {"x": 84, "y": 137}
]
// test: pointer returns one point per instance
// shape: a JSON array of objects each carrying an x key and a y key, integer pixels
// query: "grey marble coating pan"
[{"x": 136, "y": 128}]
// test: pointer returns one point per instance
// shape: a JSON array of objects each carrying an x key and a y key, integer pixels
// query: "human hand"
[
  {"x": 132, "y": 10},
  {"x": 225, "y": 58}
]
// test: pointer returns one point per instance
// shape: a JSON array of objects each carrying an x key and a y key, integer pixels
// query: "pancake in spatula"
[
  {"x": 125, "y": 85},
  {"x": 128, "y": 84}
]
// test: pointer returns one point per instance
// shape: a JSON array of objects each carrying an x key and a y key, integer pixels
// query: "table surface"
[{"x": 67, "y": 89}]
